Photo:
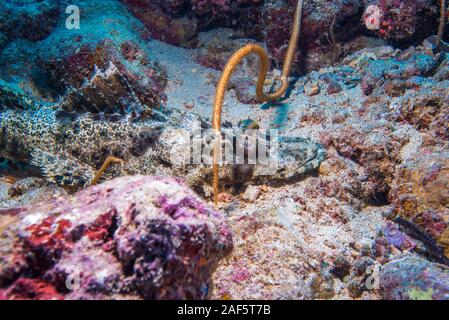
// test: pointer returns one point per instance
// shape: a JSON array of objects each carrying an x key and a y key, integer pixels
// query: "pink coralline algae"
[
  {"x": 420, "y": 194},
  {"x": 372, "y": 17},
  {"x": 134, "y": 237}
]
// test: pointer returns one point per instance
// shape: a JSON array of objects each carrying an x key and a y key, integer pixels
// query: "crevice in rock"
[
  {"x": 430, "y": 249},
  {"x": 379, "y": 199}
]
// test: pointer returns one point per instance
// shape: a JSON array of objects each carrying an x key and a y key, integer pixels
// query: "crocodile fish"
[{"x": 69, "y": 149}]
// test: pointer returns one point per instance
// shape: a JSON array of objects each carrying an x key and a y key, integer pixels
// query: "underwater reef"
[
  {"x": 357, "y": 207},
  {"x": 331, "y": 29}
]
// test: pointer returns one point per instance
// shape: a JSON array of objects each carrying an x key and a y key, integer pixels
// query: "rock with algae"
[
  {"x": 134, "y": 237},
  {"x": 410, "y": 277},
  {"x": 269, "y": 21},
  {"x": 399, "y": 20}
]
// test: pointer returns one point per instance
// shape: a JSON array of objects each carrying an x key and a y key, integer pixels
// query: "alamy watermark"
[
  {"x": 372, "y": 282},
  {"x": 73, "y": 281},
  {"x": 73, "y": 21}
]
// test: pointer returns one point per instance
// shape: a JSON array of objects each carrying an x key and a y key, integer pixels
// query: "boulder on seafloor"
[
  {"x": 110, "y": 71},
  {"x": 133, "y": 237},
  {"x": 410, "y": 277},
  {"x": 32, "y": 20}
]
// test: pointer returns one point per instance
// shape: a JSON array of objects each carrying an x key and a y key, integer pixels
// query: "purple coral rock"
[
  {"x": 134, "y": 237},
  {"x": 410, "y": 277},
  {"x": 398, "y": 239}
]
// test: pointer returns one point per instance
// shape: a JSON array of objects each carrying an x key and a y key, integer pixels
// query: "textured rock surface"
[
  {"x": 135, "y": 237},
  {"x": 399, "y": 20},
  {"x": 32, "y": 19},
  {"x": 411, "y": 278},
  {"x": 421, "y": 194},
  {"x": 380, "y": 148},
  {"x": 103, "y": 67},
  {"x": 267, "y": 21},
  {"x": 326, "y": 30}
]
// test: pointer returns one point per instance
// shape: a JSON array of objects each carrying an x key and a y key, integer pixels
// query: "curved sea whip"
[{"x": 264, "y": 65}]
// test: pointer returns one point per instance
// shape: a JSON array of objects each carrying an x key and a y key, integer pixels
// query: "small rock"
[
  {"x": 312, "y": 88},
  {"x": 325, "y": 168},
  {"x": 397, "y": 238},
  {"x": 251, "y": 193}
]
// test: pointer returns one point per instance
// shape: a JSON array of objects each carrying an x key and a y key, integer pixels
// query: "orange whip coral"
[
  {"x": 109, "y": 160},
  {"x": 442, "y": 22},
  {"x": 264, "y": 64}
]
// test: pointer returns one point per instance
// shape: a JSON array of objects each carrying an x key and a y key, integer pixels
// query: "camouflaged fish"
[
  {"x": 69, "y": 150},
  {"x": 292, "y": 158}
]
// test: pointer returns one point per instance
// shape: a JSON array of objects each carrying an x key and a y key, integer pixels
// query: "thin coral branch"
[
  {"x": 5, "y": 222},
  {"x": 8, "y": 179},
  {"x": 442, "y": 22},
  {"x": 264, "y": 65},
  {"x": 109, "y": 160}
]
